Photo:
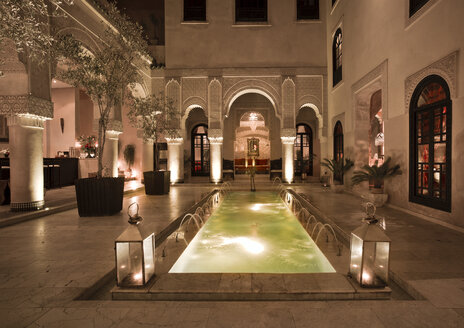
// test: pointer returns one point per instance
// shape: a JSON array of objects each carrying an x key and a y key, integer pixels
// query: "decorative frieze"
[
  {"x": 445, "y": 67},
  {"x": 215, "y": 136},
  {"x": 26, "y": 104}
]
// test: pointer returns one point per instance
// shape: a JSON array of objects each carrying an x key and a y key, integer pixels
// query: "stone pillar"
[
  {"x": 147, "y": 156},
  {"x": 288, "y": 139},
  {"x": 215, "y": 149},
  {"x": 110, "y": 154},
  {"x": 176, "y": 159},
  {"x": 26, "y": 162}
]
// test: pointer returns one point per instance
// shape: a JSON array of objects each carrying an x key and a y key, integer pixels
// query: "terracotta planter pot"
[{"x": 99, "y": 197}]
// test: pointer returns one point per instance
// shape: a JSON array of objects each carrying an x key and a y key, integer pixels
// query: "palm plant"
[
  {"x": 376, "y": 173},
  {"x": 338, "y": 167}
]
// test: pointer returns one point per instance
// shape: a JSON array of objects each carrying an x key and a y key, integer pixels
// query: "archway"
[
  {"x": 307, "y": 143},
  {"x": 252, "y": 119},
  {"x": 196, "y": 144}
]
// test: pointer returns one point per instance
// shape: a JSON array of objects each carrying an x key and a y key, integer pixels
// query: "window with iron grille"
[
  {"x": 415, "y": 5},
  {"x": 430, "y": 144},
  {"x": 307, "y": 9},
  {"x": 194, "y": 10},
  {"x": 337, "y": 57},
  {"x": 338, "y": 141},
  {"x": 251, "y": 10}
]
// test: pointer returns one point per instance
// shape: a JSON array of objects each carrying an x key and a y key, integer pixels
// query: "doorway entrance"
[
  {"x": 200, "y": 150},
  {"x": 303, "y": 150}
]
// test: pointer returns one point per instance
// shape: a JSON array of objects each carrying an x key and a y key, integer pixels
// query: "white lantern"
[
  {"x": 370, "y": 254},
  {"x": 135, "y": 253}
]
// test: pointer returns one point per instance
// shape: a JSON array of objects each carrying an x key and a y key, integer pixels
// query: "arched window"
[
  {"x": 200, "y": 150},
  {"x": 337, "y": 57},
  {"x": 430, "y": 144},
  {"x": 415, "y": 5},
  {"x": 303, "y": 150},
  {"x": 194, "y": 10},
  {"x": 338, "y": 141}
]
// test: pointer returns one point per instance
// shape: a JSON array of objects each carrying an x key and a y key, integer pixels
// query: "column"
[
  {"x": 215, "y": 149},
  {"x": 26, "y": 162},
  {"x": 147, "y": 156},
  {"x": 110, "y": 154},
  {"x": 288, "y": 140},
  {"x": 176, "y": 159}
]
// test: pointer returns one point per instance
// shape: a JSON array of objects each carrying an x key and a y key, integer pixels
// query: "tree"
[
  {"x": 156, "y": 116},
  {"x": 107, "y": 73},
  {"x": 26, "y": 23}
]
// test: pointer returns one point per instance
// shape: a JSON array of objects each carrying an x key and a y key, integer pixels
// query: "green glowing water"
[{"x": 252, "y": 233}]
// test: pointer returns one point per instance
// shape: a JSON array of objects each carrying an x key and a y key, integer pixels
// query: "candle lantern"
[
  {"x": 135, "y": 252},
  {"x": 370, "y": 252}
]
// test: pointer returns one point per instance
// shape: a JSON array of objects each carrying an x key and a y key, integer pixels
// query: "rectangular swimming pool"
[{"x": 252, "y": 232}]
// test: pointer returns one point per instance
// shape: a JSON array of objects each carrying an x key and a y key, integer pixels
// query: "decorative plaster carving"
[
  {"x": 268, "y": 85},
  {"x": 173, "y": 92},
  {"x": 193, "y": 87},
  {"x": 288, "y": 133},
  {"x": 288, "y": 103},
  {"x": 215, "y": 136},
  {"x": 192, "y": 101},
  {"x": 62, "y": 28},
  {"x": 445, "y": 67},
  {"x": 115, "y": 125},
  {"x": 309, "y": 87},
  {"x": 214, "y": 104},
  {"x": 157, "y": 85},
  {"x": 175, "y": 141},
  {"x": 26, "y": 104},
  {"x": 26, "y": 120}
]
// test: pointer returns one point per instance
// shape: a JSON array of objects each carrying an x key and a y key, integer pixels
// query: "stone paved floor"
[{"x": 47, "y": 262}]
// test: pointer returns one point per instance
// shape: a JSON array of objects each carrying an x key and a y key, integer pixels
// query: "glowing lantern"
[
  {"x": 135, "y": 252},
  {"x": 370, "y": 254}
]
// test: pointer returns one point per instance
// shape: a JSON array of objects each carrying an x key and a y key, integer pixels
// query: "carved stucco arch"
[
  {"x": 445, "y": 68},
  {"x": 195, "y": 102},
  {"x": 252, "y": 86},
  {"x": 82, "y": 36},
  {"x": 317, "y": 112},
  {"x": 187, "y": 111}
]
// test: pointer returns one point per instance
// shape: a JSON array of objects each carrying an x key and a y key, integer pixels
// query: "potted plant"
[
  {"x": 105, "y": 75},
  {"x": 376, "y": 176},
  {"x": 338, "y": 169},
  {"x": 129, "y": 157},
  {"x": 156, "y": 116},
  {"x": 88, "y": 145}
]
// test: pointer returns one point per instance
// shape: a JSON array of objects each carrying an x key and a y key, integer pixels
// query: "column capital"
[
  {"x": 26, "y": 120},
  {"x": 26, "y": 105},
  {"x": 174, "y": 141},
  {"x": 215, "y": 136}
]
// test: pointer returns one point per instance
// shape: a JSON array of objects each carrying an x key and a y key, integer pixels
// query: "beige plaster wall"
[
  {"x": 379, "y": 31},
  {"x": 64, "y": 101},
  {"x": 129, "y": 136},
  {"x": 220, "y": 43}
]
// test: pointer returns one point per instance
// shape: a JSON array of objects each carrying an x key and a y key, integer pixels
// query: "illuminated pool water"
[{"x": 252, "y": 232}]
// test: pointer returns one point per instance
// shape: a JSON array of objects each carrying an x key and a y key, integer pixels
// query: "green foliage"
[
  {"x": 106, "y": 73},
  {"x": 338, "y": 167},
  {"x": 26, "y": 24},
  {"x": 129, "y": 155},
  {"x": 377, "y": 174},
  {"x": 156, "y": 116}
]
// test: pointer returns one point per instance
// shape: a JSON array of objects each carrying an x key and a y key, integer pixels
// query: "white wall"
[{"x": 376, "y": 32}]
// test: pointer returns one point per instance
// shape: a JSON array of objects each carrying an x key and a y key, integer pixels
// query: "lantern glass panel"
[
  {"x": 149, "y": 258},
  {"x": 356, "y": 257},
  {"x": 375, "y": 264},
  {"x": 381, "y": 260},
  {"x": 129, "y": 263}
]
